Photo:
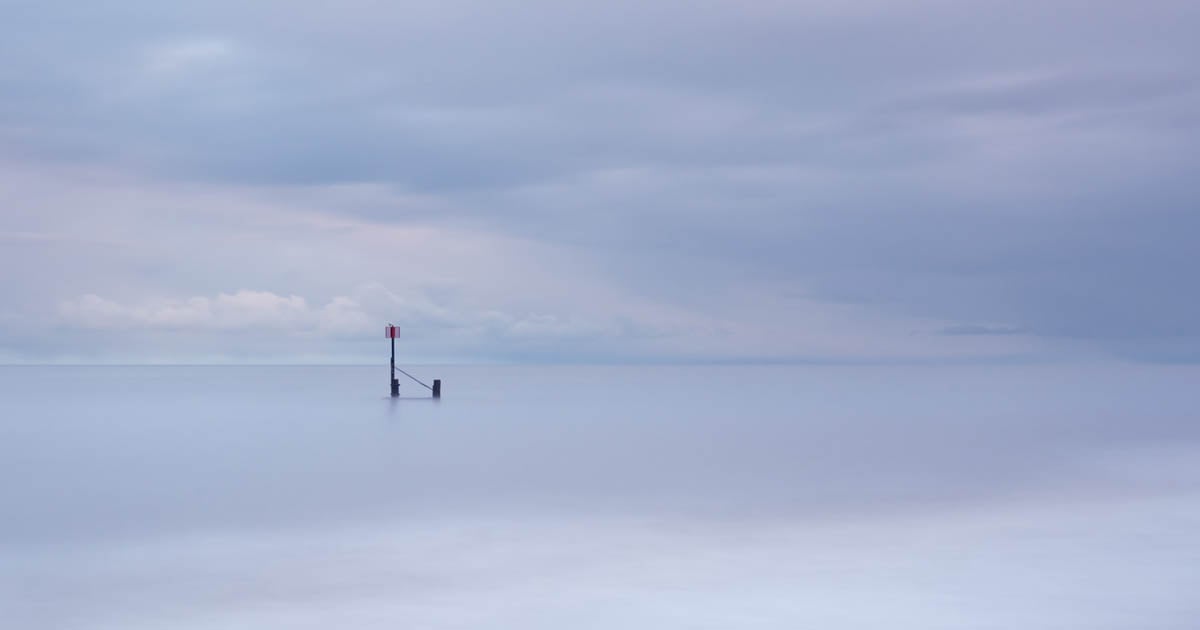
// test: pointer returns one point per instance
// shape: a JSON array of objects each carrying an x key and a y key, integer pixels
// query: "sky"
[{"x": 842, "y": 182}]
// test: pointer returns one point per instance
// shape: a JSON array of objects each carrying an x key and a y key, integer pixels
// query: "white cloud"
[
  {"x": 179, "y": 56},
  {"x": 241, "y": 310},
  {"x": 356, "y": 315}
]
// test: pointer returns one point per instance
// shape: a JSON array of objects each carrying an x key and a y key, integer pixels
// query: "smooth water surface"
[{"x": 600, "y": 497}]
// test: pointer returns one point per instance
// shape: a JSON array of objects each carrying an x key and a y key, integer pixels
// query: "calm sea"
[{"x": 576, "y": 497}]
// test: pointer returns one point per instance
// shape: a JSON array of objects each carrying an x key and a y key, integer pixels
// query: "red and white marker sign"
[{"x": 391, "y": 332}]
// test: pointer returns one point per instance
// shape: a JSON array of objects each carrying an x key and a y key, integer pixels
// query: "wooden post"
[{"x": 437, "y": 388}]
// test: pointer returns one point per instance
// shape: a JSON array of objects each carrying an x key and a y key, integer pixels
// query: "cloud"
[
  {"x": 662, "y": 157},
  {"x": 975, "y": 329},
  {"x": 182, "y": 55},
  {"x": 241, "y": 310},
  {"x": 262, "y": 320}
]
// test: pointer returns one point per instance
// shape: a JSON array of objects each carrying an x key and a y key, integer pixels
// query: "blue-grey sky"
[{"x": 717, "y": 180}]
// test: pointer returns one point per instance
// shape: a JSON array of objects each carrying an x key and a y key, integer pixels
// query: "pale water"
[{"x": 823, "y": 497}]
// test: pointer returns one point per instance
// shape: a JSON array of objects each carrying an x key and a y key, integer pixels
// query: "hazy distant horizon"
[{"x": 665, "y": 361}]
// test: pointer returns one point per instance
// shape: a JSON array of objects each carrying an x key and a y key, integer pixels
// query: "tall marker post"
[{"x": 392, "y": 333}]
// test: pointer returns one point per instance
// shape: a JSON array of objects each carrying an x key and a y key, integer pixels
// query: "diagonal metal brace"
[{"x": 413, "y": 378}]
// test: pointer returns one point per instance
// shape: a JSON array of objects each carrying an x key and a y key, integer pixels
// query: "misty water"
[{"x": 600, "y": 497}]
